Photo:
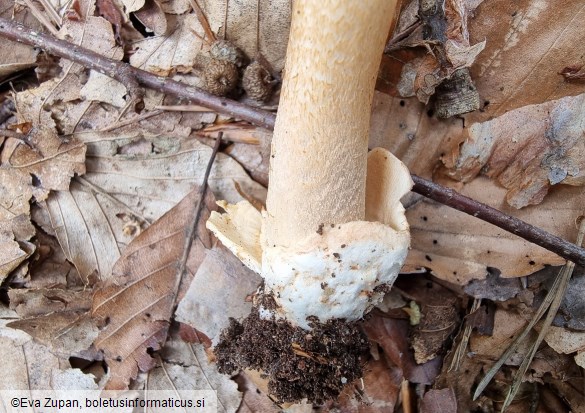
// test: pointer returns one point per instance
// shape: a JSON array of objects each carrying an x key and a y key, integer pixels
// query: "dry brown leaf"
[
  {"x": 219, "y": 291},
  {"x": 123, "y": 192},
  {"x": 254, "y": 158},
  {"x": 133, "y": 308},
  {"x": 174, "y": 53},
  {"x": 507, "y": 326},
  {"x": 449, "y": 46},
  {"x": 377, "y": 392},
  {"x": 392, "y": 336},
  {"x": 152, "y": 17},
  {"x": 254, "y": 399},
  {"x": 32, "y": 366},
  {"x": 57, "y": 101},
  {"x": 56, "y": 318},
  {"x": 439, "y": 232},
  {"x": 43, "y": 163}
]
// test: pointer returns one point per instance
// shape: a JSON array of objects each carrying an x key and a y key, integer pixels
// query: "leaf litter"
[{"x": 101, "y": 222}]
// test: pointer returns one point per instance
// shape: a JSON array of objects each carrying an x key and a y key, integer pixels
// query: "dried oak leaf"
[
  {"x": 439, "y": 401},
  {"x": 134, "y": 307},
  {"x": 527, "y": 150}
]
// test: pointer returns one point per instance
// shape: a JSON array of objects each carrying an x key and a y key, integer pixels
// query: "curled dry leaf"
[
  {"x": 43, "y": 163},
  {"x": 527, "y": 150},
  {"x": 447, "y": 37},
  {"x": 134, "y": 307}
]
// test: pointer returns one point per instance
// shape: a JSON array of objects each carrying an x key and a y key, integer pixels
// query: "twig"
[
  {"x": 192, "y": 225},
  {"x": 449, "y": 197},
  {"x": 265, "y": 119},
  {"x": 121, "y": 71}
]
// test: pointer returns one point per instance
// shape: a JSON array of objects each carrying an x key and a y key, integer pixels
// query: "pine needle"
[{"x": 552, "y": 302}]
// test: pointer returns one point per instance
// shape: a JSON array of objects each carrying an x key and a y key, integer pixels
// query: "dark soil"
[{"x": 299, "y": 364}]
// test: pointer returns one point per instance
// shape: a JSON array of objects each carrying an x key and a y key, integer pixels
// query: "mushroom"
[{"x": 333, "y": 236}]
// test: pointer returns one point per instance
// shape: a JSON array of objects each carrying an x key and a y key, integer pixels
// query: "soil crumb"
[{"x": 300, "y": 364}]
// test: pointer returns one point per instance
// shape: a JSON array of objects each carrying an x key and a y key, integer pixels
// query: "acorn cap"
[
  {"x": 228, "y": 52},
  {"x": 257, "y": 82},
  {"x": 220, "y": 76}
]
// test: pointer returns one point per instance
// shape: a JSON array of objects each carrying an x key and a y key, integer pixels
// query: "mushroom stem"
[{"x": 320, "y": 142}]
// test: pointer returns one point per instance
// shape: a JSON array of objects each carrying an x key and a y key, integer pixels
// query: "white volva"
[{"x": 334, "y": 229}]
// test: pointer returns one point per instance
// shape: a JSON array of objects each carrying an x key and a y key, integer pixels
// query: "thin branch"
[
  {"x": 449, "y": 197},
  {"x": 120, "y": 71},
  {"x": 191, "y": 232}
]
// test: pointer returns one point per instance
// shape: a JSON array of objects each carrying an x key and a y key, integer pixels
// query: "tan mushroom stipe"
[{"x": 318, "y": 246}]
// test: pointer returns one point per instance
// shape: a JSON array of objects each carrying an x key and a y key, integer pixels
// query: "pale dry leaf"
[
  {"x": 102, "y": 88},
  {"x": 190, "y": 365},
  {"x": 565, "y": 341},
  {"x": 57, "y": 101},
  {"x": 521, "y": 61},
  {"x": 51, "y": 160},
  {"x": 133, "y": 308},
  {"x": 527, "y": 150},
  {"x": 242, "y": 20},
  {"x": 507, "y": 326},
  {"x": 133, "y": 5},
  {"x": 173, "y": 53},
  {"x": 254, "y": 158},
  {"x": 15, "y": 56},
  {"x": 580, "y": 359},
  {"x": 15, "y": 227},
  {"x": 218, "y": 292},
  {"x": 122, "y": 193},
  {"x": 438, "y": 233}
]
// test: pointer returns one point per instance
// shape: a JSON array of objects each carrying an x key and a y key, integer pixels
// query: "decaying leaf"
[
  {"x": 218, "y": 292},
  {"x": 51, "y": 160},
  {"x": 377, "y": 392},
  {"x": 438, "y": 401},
  {"x": 527, "y": 150},
  {"x": 446, "y": 36},
  {"x": 134, "y": 307},
  {"x": 122, "y": 193}
]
